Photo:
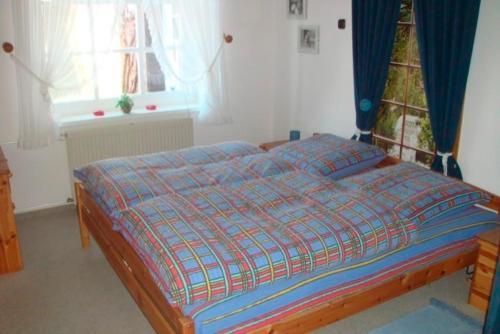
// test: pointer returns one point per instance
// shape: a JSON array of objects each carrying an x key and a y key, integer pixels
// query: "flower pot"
[{"x": 127, "y": 110}]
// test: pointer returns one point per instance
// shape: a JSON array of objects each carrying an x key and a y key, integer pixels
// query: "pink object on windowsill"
[
  {"x": 151, "y": 107},
  {"x": 99, "y": 113}
]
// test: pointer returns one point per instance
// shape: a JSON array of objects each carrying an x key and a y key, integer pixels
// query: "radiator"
[{"x": 88, "y": 145}]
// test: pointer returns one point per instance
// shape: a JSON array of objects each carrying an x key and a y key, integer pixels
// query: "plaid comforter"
[
  {"x": 210, "y": 222},
  {"x": 217, "y": 241},
  {"x": 119, "y": 183}
]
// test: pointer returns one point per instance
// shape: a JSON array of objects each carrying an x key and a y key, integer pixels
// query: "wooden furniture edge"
[
  {"x": 480, "y": 291},
  {"x": 166, "y": 318},
  {"x": 10, "y": 251},
  {"x": 272, "y": 144},
  {"x": 4, "y": 167}
]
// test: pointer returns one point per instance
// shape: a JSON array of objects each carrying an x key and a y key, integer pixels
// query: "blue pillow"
[{"x": 330, "y": 156}]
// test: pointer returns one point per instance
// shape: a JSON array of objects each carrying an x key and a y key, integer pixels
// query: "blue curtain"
[
  {"x": 492, "y": 324},
  {"x": 445, "y": 34},
  {"x": 373, "y": 30}
]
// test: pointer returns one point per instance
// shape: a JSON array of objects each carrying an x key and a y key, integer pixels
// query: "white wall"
[
  {"x": 479, "y": 154},
  {"x": 314, "y": 93},
  {"x": 41, "y": 176}
]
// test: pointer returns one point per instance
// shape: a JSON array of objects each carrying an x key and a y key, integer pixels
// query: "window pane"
[
  {"x": 169, "y": 28},
  {"x": 80, "y": 34},
  {"x": 387, "y": 121},
  {"x": 128, "y": 31},
  {"x": 416, "y": 93},
  {"x": 394, "y": 151},
  {"x": 117, "y": 74},
  {"x": 155, "y": 76},
  {"x": 420, "y": 158},
  {"x": 148, "y": 39},
  {"x": 401, "y": 44},
  {"x": 415, "y": 57},
  {"x": 405, "y": 14},
  {"x": 395, "y": 87},
  {"x": 387, "y": 146},
  {"x": 418, "y": 131},
  {"x": 84, "y": 88},
  {"x": 112, "y": 32},
  {"x": 424, "y": 159}
]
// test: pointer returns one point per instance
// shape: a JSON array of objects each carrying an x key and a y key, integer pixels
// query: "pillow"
[
  {"x": 329, "y": 155},
  {"x": 415, "y": 193}
]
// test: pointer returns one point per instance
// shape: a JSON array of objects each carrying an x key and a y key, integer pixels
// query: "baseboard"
[{"x": 44, "y": 210}]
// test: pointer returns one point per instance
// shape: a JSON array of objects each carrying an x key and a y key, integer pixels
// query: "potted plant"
[{"x": 125, "y": 103}]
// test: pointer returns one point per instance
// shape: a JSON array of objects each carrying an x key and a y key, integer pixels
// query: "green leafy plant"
[{"x": 125, "y": 103}]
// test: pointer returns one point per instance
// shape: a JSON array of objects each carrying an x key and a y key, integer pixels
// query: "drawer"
[
  {"x": 486, "y": 264},
  {"x": 482, "y": 283}
]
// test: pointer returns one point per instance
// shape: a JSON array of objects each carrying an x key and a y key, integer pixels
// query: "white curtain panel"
[
  {"x": 199, "y": 46},
  {"x": 41, "y": 32}
]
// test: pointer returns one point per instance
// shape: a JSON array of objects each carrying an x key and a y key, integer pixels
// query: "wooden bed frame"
[{"x": 166, "y": 318}]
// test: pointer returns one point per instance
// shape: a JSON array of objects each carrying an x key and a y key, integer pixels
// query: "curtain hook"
[
  {"x": 228, "y": 38},
  {"x": 7, "y": 47}
]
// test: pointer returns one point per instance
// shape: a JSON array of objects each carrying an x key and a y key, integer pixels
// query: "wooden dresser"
[
  {"x": 484, "y": 273},
  {"x": 10, "y": 253}
]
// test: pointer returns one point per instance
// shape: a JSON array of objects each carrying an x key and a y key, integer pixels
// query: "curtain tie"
[
  {"x": 358, "y": 133},
  {"x": 444, "y": 157}
]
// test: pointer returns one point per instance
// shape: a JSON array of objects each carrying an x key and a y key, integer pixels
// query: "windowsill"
[{"x": 116, "y": 117}]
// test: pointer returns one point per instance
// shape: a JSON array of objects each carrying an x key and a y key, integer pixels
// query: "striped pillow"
[
  {"x": 330, "y": 156},
  {"x": 415, "y": 193}
]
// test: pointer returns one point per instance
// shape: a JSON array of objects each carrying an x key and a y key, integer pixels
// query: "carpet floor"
[{"x": 64, "y": 289}]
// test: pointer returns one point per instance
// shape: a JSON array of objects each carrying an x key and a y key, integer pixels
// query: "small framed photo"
[
  {"x": 309, "y": 39},
  {"x": 297, "y": 9}
]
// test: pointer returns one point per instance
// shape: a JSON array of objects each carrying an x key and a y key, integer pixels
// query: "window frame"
[
  {"x": 383, "y": 141},
  {"x": 167, "y": 98}
]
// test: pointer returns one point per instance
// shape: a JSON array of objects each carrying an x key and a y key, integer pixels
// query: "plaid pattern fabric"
[
  {"x": 120, "y": 182},
  {"x": 329, "y": 155},
  {"x": 209, "y": 243},
  {"x": 414, "y": 192}
]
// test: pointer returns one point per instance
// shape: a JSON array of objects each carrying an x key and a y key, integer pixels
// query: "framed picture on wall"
[
  {"x": 297, "y": 9},
  {"x": 309, "y": 39}
]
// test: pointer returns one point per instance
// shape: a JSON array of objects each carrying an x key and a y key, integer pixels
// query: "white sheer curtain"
[
  {"x": 43, "y": 63},
  {"x": 200, "y": 49}
]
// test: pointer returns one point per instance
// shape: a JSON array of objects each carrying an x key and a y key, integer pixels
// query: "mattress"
[{"x": 443, "y": 237}]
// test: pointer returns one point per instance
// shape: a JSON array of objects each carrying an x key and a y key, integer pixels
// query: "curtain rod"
[{"x": 9, "y": 48}]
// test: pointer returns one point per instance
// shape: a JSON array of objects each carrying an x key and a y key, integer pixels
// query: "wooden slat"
[{"x": 84, "y": 232}]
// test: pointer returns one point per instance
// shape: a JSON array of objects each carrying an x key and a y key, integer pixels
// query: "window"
[
  {"x": 403, "y": 125},
  {"x": 112, "y": 54}
]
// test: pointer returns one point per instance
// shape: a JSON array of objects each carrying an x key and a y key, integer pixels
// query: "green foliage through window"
[{"x": 403, "y": 125}]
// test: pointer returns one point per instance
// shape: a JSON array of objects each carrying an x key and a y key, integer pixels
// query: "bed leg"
[{"x": 84, "y": 231}]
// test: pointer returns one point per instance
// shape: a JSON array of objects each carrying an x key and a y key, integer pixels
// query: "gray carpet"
[{"x": 64, "y": 289}]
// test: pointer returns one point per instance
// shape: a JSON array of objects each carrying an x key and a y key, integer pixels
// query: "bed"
[{"x": 193, "y": 263}]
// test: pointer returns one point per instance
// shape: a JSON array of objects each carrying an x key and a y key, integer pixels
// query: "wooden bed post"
[{"x": 84, "y": 231}]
